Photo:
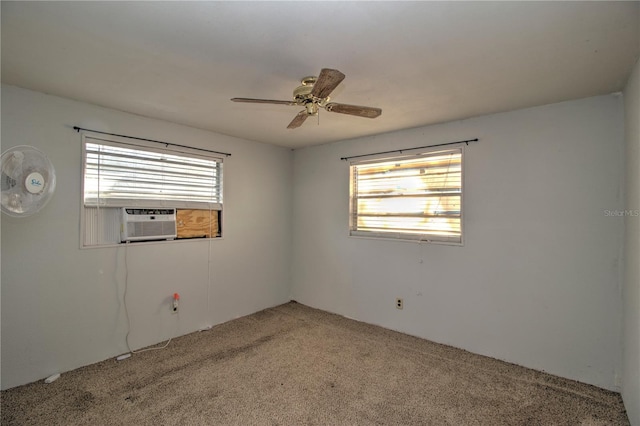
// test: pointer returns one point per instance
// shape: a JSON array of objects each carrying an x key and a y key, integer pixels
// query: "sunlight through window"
[{"x": 417, "y": 197}]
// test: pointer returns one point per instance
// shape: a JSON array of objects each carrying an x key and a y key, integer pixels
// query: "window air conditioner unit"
[{"x": 147, "y": 224}]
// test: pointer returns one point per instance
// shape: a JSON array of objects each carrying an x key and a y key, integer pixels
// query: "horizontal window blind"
[
  {"x": 120, "y": 175},
  {"x": 409, "y": 198}
]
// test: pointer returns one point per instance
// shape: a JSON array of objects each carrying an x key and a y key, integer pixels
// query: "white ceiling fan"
[{"x": 313, "y": 93}]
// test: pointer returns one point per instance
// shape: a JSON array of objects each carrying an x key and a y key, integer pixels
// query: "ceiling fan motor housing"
[
  {"x": 302, "y": 93},
  {"x": 303, "y": 96}
]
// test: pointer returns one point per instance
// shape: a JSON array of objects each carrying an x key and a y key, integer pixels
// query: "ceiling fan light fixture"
[{"x": 312, "y": 108}]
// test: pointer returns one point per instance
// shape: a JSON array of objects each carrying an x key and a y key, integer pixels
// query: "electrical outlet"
[
  {"x": 399, "y": 303},
  {"x": 174, "y": 306}
]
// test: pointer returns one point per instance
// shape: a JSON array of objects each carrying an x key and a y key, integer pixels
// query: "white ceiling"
[{"x": 421, "y": 62}]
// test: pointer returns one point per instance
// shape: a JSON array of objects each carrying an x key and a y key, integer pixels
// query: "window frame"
[
  {"x": 89, "y": 137},
  {"x": 401, "y": 236}
]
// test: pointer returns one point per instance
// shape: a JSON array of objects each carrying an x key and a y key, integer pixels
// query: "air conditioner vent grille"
[{"x": 148, "y": 224}]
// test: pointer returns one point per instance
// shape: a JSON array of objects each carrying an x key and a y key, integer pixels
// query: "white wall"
[
  {"x": 62, "y": 305},
  {"x": 537, "y": 282},
  {"x": 631, "y": 288}
]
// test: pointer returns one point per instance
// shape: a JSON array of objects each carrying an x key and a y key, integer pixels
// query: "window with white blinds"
[
  {"x": 409, "y": 197},
  {"x": 123, "y": 175}
]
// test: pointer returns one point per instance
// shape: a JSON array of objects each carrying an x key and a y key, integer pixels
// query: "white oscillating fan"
[{"x": 28, "y": 181}]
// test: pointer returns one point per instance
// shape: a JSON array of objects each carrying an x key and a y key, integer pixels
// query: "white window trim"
[
  {"x": 399, "y": 237},
  {"x": 154, "y": 147}
]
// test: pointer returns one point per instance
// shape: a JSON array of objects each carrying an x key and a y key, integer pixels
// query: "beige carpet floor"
[{"x": 294, "y": 365}]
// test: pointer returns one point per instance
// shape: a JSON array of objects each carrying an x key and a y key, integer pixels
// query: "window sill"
[
  {"x": 408, "y": 239},
  {"x": 147, "y": 243}
]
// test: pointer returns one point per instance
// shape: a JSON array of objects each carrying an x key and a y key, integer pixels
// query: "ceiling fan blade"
[
  {"x": 360, "y": 111},
  {"x": 298, "y": 120},
  {"x": 326, "y": 82},
  {"x": 263, "y": 101}
]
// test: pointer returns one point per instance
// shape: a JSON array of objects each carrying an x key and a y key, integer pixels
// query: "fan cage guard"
[{"x": 27, "y": 179}]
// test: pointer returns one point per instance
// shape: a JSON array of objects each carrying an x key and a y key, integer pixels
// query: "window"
[
  {"x": 119, "y": 175},
  {"x": 408, "y": 197}
]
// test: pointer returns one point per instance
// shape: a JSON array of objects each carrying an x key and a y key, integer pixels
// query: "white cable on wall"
[
  {"x": 209, "y": 258},
  {"x": 209, "y": 272},
  {"x": 126, "y": 310}
]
